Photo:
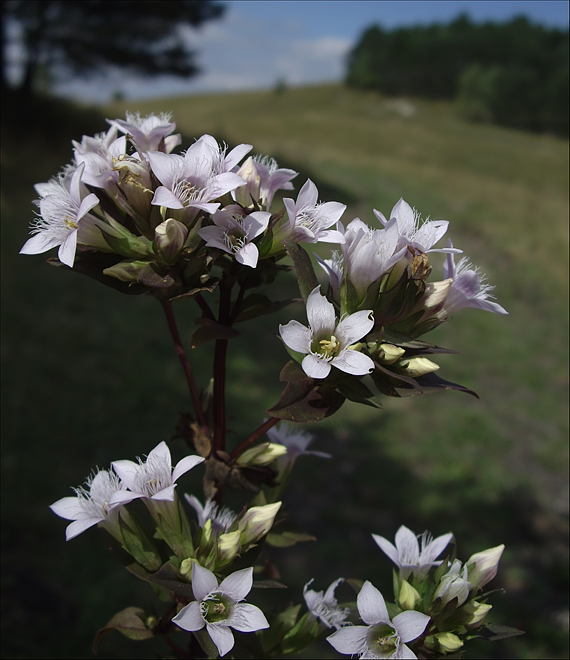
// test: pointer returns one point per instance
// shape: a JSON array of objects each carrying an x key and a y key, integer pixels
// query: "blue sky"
[{"x": 301, "y": 42}]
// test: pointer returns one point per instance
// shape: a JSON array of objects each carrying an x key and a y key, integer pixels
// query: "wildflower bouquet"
[{"x": 201, "y": 228}]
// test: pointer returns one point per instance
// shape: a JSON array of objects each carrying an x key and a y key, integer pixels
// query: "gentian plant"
[{"x": 200, "y": 227}]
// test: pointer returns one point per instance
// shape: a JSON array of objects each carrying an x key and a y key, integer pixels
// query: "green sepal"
[
  {"x": 348, "y": 298},
  {"x": 353, "y": 388},
  {"x": 286, "y": 538},
  {"x": 168, "y": 578},
  {"x": 493, "y": 632},
  {"x": 139, "y": 544},
  {"x": 271, "y": 637},
  {"x": 128, "y": 245},
  {"x": 170, "y": 536},
  {"x": 306, "y": 278},
  {"x": 130, "y": 622},
  {"x": 306, "y": 630}
]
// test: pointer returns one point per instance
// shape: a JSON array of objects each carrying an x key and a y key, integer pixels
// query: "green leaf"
[
  {"x": 353, "y": 388},
  {"x": 168, "y": 578},
  {"x": 257, "y": 304},
  {"x": 494, "y": 632},
  {"x": 303, "y": 400},
  {"x": 130, "y": 622},
  {"x": 303, "y": 633},
  {"x": 431, "y": 383},
  {"x": 348, "y": 298},
  {"x": 210, "y": 330},
  {"x": 140, "y": 545},
  {"x": 280, "y": 626},
  {"x": 287, "y": 538},
  {"x": 306, "y": 278},
  {"x": 268, "y": 584}
]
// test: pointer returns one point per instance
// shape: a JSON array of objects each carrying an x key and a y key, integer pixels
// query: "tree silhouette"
[{"x": 79, "y": 37}]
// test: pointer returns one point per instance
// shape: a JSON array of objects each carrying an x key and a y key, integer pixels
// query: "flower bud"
[
  {"x": 169, "y": 237},
  {"x": 126, "y": 271},
  {"x": 186, "y": 567},
  {"x": 262, "y": 454},
  {"x": 244, "y": 194},
  {"x": 229, "y": 547},
  {"x": 472, "y": 614},
  {"x": 482, "y": 566},
  {"x": 447, "y": 642},
  {"x": 408, "y": 597},
  {"x": 256, "y": 522},
  {"x": 453, "y": 584},
  {"x": 417, "y": 366},
  {"x": 390, "y": 353}
]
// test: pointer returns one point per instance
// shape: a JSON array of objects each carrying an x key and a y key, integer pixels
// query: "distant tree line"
[{"x": 514, "y": 73}]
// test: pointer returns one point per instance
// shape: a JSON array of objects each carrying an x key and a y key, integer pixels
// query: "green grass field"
[{"x": 89, "y": 376}]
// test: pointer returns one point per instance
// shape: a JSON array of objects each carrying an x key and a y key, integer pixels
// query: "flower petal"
[
  {"x": 160, "y": 454},
  {"x": 203, "y": 582},
  {"x": 68, "y": 508},
  {"x": 405, "y": 652},
  {"x": 39, "y": 243},
  {"x": 66, "y": 252},
  {"x": 189, "y": 617},
  {"x": 410, "y": 625},
  {"x": 432, "y": 551},
  {"x": 79, "y": 526},
  {"x": 165, "y": 495},
  {"x": 353, "y": 362},
  {"x": 408, "y": 546},
  {"x": 184, "y": 465},
  {"x": 248, "y": 255},
  {"x": 315, "y": 367},
  {"x": 387, "y": 548},
  {"x": 371, "y": 605},
  {"x": 296, "y": 336},
  {"x": 354, "y": 327},
  {"x": 166, "y": 198},
  {"x": 349, "y": 640},
  {"x": 321, "y": 314},
  {"x": 247, "y": 618},
  {"x": 222, "y": 637},
  {"x": 127, "y": 471},
  {"x": 238, "y": 584}
]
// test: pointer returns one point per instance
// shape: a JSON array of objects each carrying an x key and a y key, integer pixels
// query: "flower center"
[
  {"x": 384, "y": 640},
  {"x": 328, "y": 348},
  {"x": 215, "y": 608}
]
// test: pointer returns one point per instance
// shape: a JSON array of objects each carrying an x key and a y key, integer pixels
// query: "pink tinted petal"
[
  {"x": 247, "y": 618},
  {"x": 296, "y": 336},
  {"x": 224, "y": 183},
  {"x": 165, "y": 197},
  {"x": 371, "y": 605},
  {"x": 68, "y": 508},
  {"x": 165, "y": 495},
  {"x": 308, "y": 195},
  {"x": 333, "y": 210},
  {"x": 164, "y": 166},
  {"x": 321, "y": 314},
  {"x": 410, "y": 625},
  {"x": 189, "y": 617},
  {"x": 329, "y": 593},
  {"x": 353, "y": 362},
  {"x": 127, "y": 471},
  {"x": 349, "y": 640},
  {"x": 432, "y": 551},
  {"x": 248, "y": 255},
  {"x": 75, "y": 184},
  {"x": 387, "y": 548},
  {"x": 315, "y": 367},
  {"x": 185, "y": 465},
  {"x": 222, "y": 637},
  {"x": 289, "y": 205},
  {"x": 407, "y": 545},
  {"x": 238, "y": 584},
  {"x": 66, "y": 252},
  {"x": 214, "y": 237},
  {"x": 236, "y": 154},
  {"x": 203, "y": 582},
  {"x": 39, "y": 243},
  {"x": 380, "y": 217},
  {"x": 208, "y": 207},
  {"x": 354, "y": 327},
  {"x": 430, "y": 233},
  {"x": 79, "y": 526}
]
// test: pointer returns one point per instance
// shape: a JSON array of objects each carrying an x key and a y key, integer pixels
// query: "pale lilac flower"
[
  {"x": 325, "y": 606},
  {"x": 263, "y": 178},
  {"x": 381, "y": 637},
  {"x": 420, "y": 237},
  {"x": 148, "y": 132},
  {"x": 334, "y": 268},
  {"x": 193, "y": 181},
  {"x": 222, "y": 518},
  {"x": 407, "y": 554},
  {"x": 309, "y": 221},
  {"x": 154, "y": 479},
  {"x": 295, "y": 440},
  {"x": 99, "y": 154},
  {"x": 92, "y": 503},
  {"x": 468, "y": 287},
  {"x": 454, "y": 584},
  {"x": 369, "y": 253},
  {"x": 326, "y": 343},
  {"x": 234, "y": 233},
  {"x": 64, "y": 219},
  {"x": 220, "y": 607}
]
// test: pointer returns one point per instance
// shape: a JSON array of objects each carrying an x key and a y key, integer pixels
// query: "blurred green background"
[{"x": 90, "y": 376}]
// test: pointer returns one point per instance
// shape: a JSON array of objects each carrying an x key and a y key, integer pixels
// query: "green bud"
[
  {"x": 262, "y": 454},
  {"x": 390, "y": 353},
  {"x": 256, "y": 522},
  {"x": 482, "y": 566},
  {"x": 229, "y": 546},
  {"x": 186, "y": 567},
  {"x": 448, "y": 642},
  {"x": 126, "y": 271},
  {"x": 408, "y": 596},
  {"x": 417, "y": 366},
  {"x": 472, "y": 614},
  {"x": 169, "y": 238}
]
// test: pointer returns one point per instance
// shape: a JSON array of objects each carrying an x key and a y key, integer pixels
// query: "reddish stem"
[
  {"x": 220, "y": 371},
  {"x": 270, "y": 423}
]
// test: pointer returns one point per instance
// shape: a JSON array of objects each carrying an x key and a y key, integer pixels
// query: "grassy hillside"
[{"x": 89, "y": 376}]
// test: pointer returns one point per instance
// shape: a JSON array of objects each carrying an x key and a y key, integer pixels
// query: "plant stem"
[
  {"x": 219, "y": 443},
  {"x": 203, "y": 305},
  {"x": 167, "y": 306},
  {"x": 270, "y": 423}
]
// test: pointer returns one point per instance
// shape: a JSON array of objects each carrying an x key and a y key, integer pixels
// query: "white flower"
[
  {"x": 154, "y": 479},
  {"x": 99, "y": 154},
  {"x": 420, "y": 237},
  {"x": 468, "y": 287},
  {"x": 483, "y": 566},
  {"x": 309, "y": 221},
  {"x": 454, "y": 584},
  {"x": 222, "y": 518},
  {"x": 326, "y": 343},
  {"x": 149, "y": 132},
  {"x": 381, "y": 637},
  {"x": 220, "y": 608},
  {"x": 295, "y": 440},
  {"x": 64, "y": 218},
  {"x": 263, "y": 178},
  {"x": 325, "y": 606},
  {"x": 91, "y": 505},
  {"x": 334, "y": 268},
  {"x": 233, "y": 233},
  {"x": 407, "y": 554}
]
